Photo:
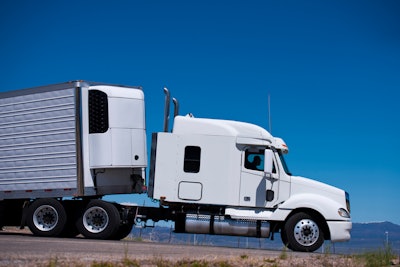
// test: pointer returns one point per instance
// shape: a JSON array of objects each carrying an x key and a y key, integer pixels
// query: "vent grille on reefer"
[{"x": 98, "y": 112}]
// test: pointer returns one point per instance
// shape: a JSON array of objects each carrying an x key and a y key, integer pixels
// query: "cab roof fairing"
[{"x": 244, "y": 132}]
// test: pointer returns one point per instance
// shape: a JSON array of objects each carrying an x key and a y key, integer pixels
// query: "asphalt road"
[{"x": 23, "y": 249}]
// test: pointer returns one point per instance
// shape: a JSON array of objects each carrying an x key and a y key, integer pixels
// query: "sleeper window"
[{"x": 192, "y": 159}]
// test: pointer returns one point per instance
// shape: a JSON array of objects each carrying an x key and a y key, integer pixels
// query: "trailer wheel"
[
  {"x": 100, "y": 220},
  {"x": 46, "y": 217},
  {"x": 73, "y": 209},
  {"x": 123, "y": 231},
  {"x": 302, "y": 233}
]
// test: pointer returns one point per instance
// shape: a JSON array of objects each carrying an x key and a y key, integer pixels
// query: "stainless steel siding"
[{"x": 37, "y": 141}]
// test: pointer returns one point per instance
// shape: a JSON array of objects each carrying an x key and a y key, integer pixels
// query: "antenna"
[{"x": 269, "y": 113}]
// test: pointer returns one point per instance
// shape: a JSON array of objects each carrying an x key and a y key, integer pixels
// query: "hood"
[{"x": 299, "y": 182}]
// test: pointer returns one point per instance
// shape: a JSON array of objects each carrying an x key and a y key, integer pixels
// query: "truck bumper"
[{"x": 340, "y": 231}]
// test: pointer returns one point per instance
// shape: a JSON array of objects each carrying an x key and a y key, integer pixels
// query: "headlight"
[{"x": 343, "y": 213}]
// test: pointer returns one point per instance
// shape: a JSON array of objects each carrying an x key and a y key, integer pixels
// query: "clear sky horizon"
[{"x": 332, "y": 69}]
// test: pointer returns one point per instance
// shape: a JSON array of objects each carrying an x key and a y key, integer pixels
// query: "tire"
[
  {"x": 123, "y": 231},
  {"x": 99, "y": 220},
  {"x": 285, "y": 239},
  {"x": 70, "y": 231},
  {"x": 303, "y": 233},
  {"x": 73, "y": 209},
  {"x": 46, "y": 217}
]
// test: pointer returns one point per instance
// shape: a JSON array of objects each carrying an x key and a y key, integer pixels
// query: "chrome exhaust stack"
[
  {"x": 176, "y": 107},
  {"x": 166, "y": 109}
]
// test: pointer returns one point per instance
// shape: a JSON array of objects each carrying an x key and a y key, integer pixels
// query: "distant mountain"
[
  {"x": 374, "y": 235},
  {"x": 376, "y": 230},
  {"x": 364, "y": 237}
]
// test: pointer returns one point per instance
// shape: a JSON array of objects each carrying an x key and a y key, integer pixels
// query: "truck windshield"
[{"x": 285, "y": 167}]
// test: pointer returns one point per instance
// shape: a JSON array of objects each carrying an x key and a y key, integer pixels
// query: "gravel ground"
[
  {"x": 20, "y": 248},
  {"x": 183, "y": 260}
]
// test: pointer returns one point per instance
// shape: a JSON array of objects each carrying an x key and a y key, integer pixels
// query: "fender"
[{"x": 327, "y": 207}]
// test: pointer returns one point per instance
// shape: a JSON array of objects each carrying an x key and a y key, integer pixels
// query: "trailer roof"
[{"x": 58, "y": 86}]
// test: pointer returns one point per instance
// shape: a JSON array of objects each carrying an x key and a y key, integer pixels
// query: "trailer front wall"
[{"x": 37, "y": 142}]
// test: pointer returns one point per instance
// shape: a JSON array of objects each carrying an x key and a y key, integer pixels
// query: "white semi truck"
[{"x": 65, "y": 146}]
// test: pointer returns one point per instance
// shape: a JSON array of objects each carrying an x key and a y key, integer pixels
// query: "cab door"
[{"x": 256, "y": 189}]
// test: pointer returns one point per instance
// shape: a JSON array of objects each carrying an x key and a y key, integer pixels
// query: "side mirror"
[{"x": 268, "y": 161}]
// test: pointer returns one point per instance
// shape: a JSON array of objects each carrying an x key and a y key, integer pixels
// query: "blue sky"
[{"x": 332, "y": 69}]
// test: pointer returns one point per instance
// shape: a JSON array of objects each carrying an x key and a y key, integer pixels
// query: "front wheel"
[
  {"x": 100, "y": 220},
  {"x": 302, "y": 232}
]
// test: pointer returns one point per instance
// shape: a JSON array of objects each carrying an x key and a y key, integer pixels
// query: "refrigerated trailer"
[{"x": 65, "y": 146}]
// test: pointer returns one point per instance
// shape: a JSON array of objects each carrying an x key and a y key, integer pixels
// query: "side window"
[
  {"x": 254, "y": 159},
  {"x": 98, "y": 112},
  {"x": 192, "y": 159}
]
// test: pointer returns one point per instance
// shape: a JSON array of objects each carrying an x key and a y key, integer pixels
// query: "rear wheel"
[
  {"x": 303, "y": 233},
  {"x": 123, "y": 231},
  {"x": 46, "y": 217},
  {"x": 99, "y": 220},
  {"x": 73, "y": 209}
]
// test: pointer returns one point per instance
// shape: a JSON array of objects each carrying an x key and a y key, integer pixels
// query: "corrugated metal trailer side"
[{"x": 39, "y": 142}]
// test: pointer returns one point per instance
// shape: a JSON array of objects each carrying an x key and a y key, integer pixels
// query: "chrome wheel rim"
[
  {"x": 306, "y": 232},
  {"x": 45, "y": 218},
  {"x": 95, "y": 219}
]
